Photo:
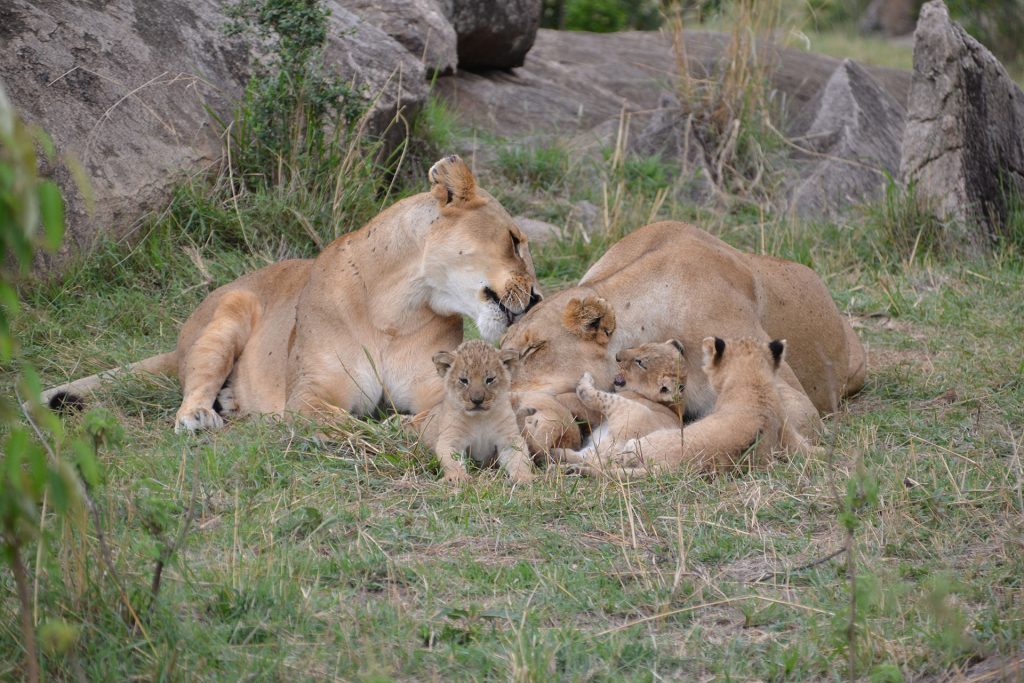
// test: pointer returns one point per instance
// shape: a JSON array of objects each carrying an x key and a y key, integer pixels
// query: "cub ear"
[
  {"x": 713, "y": 348},
  {"x": 678, "y": 344},
  {"x": 590, "y": 319},
  {"x": 778, "y": 349},
  {"x": 451, "y": 182},
  {"x": 510, "y": 359},
  {"x": 443, "y": 362}
]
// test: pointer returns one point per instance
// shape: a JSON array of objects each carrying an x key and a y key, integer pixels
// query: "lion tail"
[{"x": 71, "y": 396}]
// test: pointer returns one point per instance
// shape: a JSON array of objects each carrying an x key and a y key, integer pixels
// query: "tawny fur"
[
  {"x": 476, "y": 417},
  {"x": 648, "y": 396},
  {"x": 746, "y": 427},
  {"x": 355, "y": 327},
  {"x": 673, "y": 280}
]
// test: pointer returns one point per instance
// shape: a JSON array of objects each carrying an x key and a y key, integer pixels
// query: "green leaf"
[
  {"x": 85, "y": 458},
  {"x": 51, "y": 206},
  {"x": 60, "y": 493}
]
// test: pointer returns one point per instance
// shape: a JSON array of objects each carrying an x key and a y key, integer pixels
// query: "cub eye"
[
  {"x": 464, "y": 381},
  {"x": 489, "y": 381},
  {"x": 664, "y": 390},
  {"x": 640, "y": 363}
]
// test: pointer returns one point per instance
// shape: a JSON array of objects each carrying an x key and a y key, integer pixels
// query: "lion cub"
[
  {"x": 746, "y": 426},
  {"x": 648, "y": 397},
  {"x": 476, "y": 416}
]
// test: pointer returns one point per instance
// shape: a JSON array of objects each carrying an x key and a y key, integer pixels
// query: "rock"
[
  {"x": 538, "y": 232},
  {"x": 585, "y": 215},
  {"x": 852, "y": 131},
  {"x": 669, "y": 134},
  {"x": 891, "y": 17},
  {"x": 418, "y": 25},
  {"x": 963, "y": 147},
  {"x": 573, "y": 81},
  {"x": 493, "y": 35},
  {"x": 123, "y": 85}
]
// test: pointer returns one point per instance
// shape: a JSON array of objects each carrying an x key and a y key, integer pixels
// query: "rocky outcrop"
[
  {"x": 850, "y": 133},
  {"x": 890, "y": 17},
  {"x": 420, "y": 26},
  {"x": 669, "y": 132},
  {"x": 123, "y": 86},
  {"x": 573, "y": 81},
  {"x": 493, "y": 35},
  {"x": 963, "y": 148}
]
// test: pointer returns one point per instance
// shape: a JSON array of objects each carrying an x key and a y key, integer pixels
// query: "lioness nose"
[
  {"x": 619, "y": 381},
  {"x": 535, "y": 297}
]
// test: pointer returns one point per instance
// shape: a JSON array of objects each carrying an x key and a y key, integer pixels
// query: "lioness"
[
  {"x": 357, "y": 325},
  {"x": 747, "y": 425},
  {"x": 648, "y": 396},
  {"x": 476, "y": 416},
  {"x": 673, "y": 280}
]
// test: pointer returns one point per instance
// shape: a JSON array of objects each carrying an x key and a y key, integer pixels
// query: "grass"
[{"x": 340, "y": 556}]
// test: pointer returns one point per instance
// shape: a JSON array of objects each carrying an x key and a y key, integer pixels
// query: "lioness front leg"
[
  {"x": 514, "y": 459},
  {"x": 205, "y": 365}
]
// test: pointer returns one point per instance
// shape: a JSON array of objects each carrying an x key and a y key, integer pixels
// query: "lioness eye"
[
  {"x": 515, "y": 244},
  {"x": 489, "y": 380},
  {"x": 464, "y": 381}
]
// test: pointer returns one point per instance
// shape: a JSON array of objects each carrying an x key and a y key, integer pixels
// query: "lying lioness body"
[
  {"x": 356, "y": 326},
  {"x": 476, "y": 417},
  {"x": 747, "y": 425},
  {"x": 673, "y": 280}
]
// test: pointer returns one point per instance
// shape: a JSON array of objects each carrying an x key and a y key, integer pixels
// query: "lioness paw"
[{"x": 200, "y": 418}]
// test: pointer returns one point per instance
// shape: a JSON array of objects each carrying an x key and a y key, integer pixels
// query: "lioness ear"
[
  {"x": 443, "y": 362},
  {"x": 713, "y": 348},
  {"x": 590, "y": 319},
  {"x": 778, "y": 349},
  {"x": 510, "y": 359},
  {"x": 679, "y": 346},
  {"x": 451, "y": 182}
]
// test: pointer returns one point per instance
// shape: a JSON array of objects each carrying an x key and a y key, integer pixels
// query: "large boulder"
[
  {"x": 123, "y": 86},
  {"x": 572, "y": 81},
  {"x": 850, "y": 133},
  {"x": 420, "y": 26},
  {"x": 963, "y": 147},
  {"x": 493, "y": 35}
]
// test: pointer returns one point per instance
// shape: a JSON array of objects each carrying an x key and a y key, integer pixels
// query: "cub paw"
[
  {"x": 585, "y": 387},
  {"x": 198, "y": 418},
  {"x": 456, "y": 476}
]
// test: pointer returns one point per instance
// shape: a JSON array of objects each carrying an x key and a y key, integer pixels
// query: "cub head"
[
  {"x": 475, "y": 375},
  {"x": 476, "y": 260},
  {"x": 728, "y": 361},
  {"x": 561, "y": 339},
  {"x": 545, "y": 422},
  {"x": 655, "y": 371}
]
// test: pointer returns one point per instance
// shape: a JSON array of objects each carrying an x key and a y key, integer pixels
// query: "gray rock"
[
  {"x": 891, "y": 17},
  {"x": 573, "y": 81},
  {"x": 963, "y": 146},
  {"x": 493, "y": 35},
  {"x": 122, "y": 86},
  {"x": 852, "y": 131},
  {"x": 418, "y": 25},
  {"x": 538, "y": 232},
  {"x": 669, "y": 133}
]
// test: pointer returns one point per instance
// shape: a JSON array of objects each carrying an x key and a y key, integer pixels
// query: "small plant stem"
[
  {"x": 851, "y": 626},
  {"x": 28, "y": 631}
]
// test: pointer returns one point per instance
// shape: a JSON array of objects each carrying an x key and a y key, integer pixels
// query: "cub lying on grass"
[
  {"x": 746, "y": 426},
  {"x": 476, "y": 415},
  {"x": 648, "y": 397}
]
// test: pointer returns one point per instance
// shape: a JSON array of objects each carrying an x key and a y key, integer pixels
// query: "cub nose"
[
  {"x": 619, "y": 381},
  {"x": 477, "y": 399}
]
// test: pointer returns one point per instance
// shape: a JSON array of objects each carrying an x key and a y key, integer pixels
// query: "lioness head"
[
  {"x": 655, "y": 371},
  {"x": 726, "y": 360},
  {"x": 475, "y": 375},
  {"x": 477, "y": 261},
  {"x": 562, "y": 339}
]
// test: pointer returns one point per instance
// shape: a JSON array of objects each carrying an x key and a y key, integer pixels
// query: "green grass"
[{"x": 343, "y": 557}]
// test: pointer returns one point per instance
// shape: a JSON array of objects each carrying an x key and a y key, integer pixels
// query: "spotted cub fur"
[{"x": 476, "y": 416}]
